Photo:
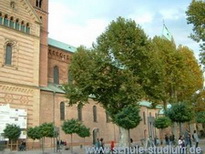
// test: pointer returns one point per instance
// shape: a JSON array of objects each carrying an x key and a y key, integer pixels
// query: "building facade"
[{"x": 33, "y": 66}]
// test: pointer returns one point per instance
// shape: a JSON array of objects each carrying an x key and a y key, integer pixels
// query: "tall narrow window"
[
  {"x": 11, "y": 22},
  {"x": 144, "y": 118},
  {"x": 107, "y": 117},
  {"x": 23, "y": 27},
  {"x": 80, "y": 112},
  {"x": 6, "y": 21},
  {"x": 94, "y": 113},
  {"x": 17, "y": 24},
  {"x": 37, "y": 3},
  {"x": 56, "y": 75},
  {"x": 62, "y": 111},
  {"x": 27, "y": 28},
  {"x": 1, "y": 18},
  {"x": 8, "y": 55},
  {"x": 40, "y": 3}
]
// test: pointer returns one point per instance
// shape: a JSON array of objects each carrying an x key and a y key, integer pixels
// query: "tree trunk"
[
  {"x": 32, "y": 144},
  {"x": 180, "y": 128},
  {"x": 165, "y": 105},
  {"x": 175, "y": 131},
  {"x": 124, "y": 137},
  {"x": 11, "y": 146},
  {"x": 43, "y": 144},
  {"x": 71, "y": 145}
]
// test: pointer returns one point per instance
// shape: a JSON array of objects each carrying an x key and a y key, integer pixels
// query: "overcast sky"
[{"x": 80, "y": 22}]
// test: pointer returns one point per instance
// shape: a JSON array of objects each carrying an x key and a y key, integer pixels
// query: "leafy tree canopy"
[
  {"x": 84, "y": 131},
  {"x": 12, "y": 132},
  {"x": 71, "y": 126},
  {"x": 198, "y": 101},
  {"x": 120, "y": 70},
  {"x": 162, "y": 122},
  {"x": 47, "y": 130},
  {"x": 34, "y": 133},
  {"x": 181, "y": 73},
  {"x": 171, "y": 62},
  {"x": 128, "y": 117},
  {"x": 196, "y": 16},
  {"x": 180, "y": 112},
  {"x": 200, "y": 117}
]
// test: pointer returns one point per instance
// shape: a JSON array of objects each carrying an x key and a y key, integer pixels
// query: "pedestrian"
[
  {"x": 166, "y": 139},
  {"x": 102, "y": 143},
  {"x": 181, "y": 144},
  {"x": 101, "y": 146},
  {"x": 97, "y": 144},
  {"x": 196, "y": 139},
  {"x": 187, "y": 136}
]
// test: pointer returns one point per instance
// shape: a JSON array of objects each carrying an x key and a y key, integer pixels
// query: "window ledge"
[{"x": 10, "y": 66}]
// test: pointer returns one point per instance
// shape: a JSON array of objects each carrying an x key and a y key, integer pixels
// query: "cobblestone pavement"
[{"x": 76, "y": 150}]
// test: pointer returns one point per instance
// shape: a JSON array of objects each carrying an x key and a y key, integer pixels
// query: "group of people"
[
  {"x": 186, "y": 139},
  {"x": 170, "y": 140},
  {"x": 61, "y": 143},
  {"x": 99, "y": 143}
]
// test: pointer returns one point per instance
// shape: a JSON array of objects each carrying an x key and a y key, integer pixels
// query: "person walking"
[
  {"x": 196, "y": 138},
  {"x": 187, "y": 136},
  {"x": 181, "y": 144},
  {"x": 166, "y": 139}
]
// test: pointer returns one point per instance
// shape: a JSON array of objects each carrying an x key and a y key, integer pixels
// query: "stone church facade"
[{"x": 33, "y": 66}]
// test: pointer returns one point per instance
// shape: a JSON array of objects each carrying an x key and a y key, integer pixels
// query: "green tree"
[
  {"x": 84, "y": 132},
  {"x": 70, "y": 127},
  {"x": 198, "y": 101},
  {"x": 46, "y": 130},
  {"x": 180, "y": 113},
  {"x": 196, "y": 16},
  {"x": 12, "y": 132},
  {"x": 162, "y": 122},
  {"x": 34, "y": 133},
  {"x": 171, "y": 62},
  {"x": 181, "y": 73},
  {"x": 200, "y": 117},
  {"x": 128, "y": 118},
  {"x": 120, "y": 70},
  {"x": 191, "y": 75}
]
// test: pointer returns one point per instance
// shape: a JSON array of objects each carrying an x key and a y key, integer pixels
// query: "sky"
[{"x": 80, "y": 22}]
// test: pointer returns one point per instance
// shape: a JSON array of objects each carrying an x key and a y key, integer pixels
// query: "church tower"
[{"x": 41, "y": 8}]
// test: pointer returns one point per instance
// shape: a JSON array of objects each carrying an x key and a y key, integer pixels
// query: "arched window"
[
  {"x": 1, "y": 18},
  {"x": 62, "y": 111},
  {"x": 27, "y": 28},
  {"x": 107, "y": 116},
  {"x": 56, "y": 75},
  {"x": 17, "y": 24},
  {"x": 6, "y": 21},
  {"x": 11, "y": 22},
  {"x": 40, "y": 3},
  {"x": 37, "y": 3},
  {"x": 8, "y": 54},
  {"x": 23, "y": 26},
  {"x": 144, "y": 118},
  {"x": 94, "y": 113},
  {"x": 79, "y": 112}
]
